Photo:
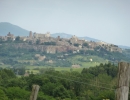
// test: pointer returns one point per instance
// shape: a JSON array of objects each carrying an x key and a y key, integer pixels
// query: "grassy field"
[
  {"x": 69, "y": 69},
  {"x": 84, "y": 61},
  {"x": 4, "y": 66},
  {"x": 35, "y": 69}
]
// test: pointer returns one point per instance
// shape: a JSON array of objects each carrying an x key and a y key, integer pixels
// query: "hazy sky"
[{"x": 107, "y": 20}]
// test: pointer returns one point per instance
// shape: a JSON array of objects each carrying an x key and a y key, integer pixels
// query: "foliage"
[
  {"x": 17, "y": 93},
  {"x": 57, "y": 85},
  {"x": 38, "y": 41},
  {"x": 3, "y": 95},
  {"x": 76, "y": 44},
  {"x": 108, "y": 69},
  {"x": 17, "y": 38},
  {"x": 49, "y": 43},
  {"x": 93, "y": 83},
  {"x": 85, "y": 44}
]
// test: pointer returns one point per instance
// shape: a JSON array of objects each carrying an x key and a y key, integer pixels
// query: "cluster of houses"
[{"x": 62, "y": 44}]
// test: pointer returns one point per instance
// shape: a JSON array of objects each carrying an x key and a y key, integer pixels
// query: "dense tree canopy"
[{"x": 94, "y": 83}]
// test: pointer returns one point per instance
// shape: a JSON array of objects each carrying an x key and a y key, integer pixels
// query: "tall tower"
[
  {"x": 58, "y": 38},
  {"x": 48, "y": 34},
  {"x": 30, "y": 34}
]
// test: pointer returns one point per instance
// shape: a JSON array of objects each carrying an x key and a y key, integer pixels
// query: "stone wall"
[{"x": 45, "y": 48}]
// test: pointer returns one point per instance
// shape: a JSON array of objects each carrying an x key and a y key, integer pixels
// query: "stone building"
[
  {"x": 74, "y": 39},
  {"x": 41, "y": 36},
  {"x": 10, "y": 36},
  {"x": 51, "y": 49},
  {"x": 115, "y": 49}
]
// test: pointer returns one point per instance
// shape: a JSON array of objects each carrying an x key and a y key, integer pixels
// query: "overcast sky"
[{"x": 107, "y": 20}]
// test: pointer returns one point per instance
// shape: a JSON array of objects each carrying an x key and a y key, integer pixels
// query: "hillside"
[
  {"x": 65, "y": 45},
  {"x": 6, "y": 27}
]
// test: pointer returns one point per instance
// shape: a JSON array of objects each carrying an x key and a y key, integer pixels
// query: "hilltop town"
[{"x": 48, "y": 44}]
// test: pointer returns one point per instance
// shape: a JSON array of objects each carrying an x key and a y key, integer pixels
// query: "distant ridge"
[
  {"x": 6, "y": 27},
  {"x": 124, "y": 47},
  {"x": 64, "y": 35},
  {"x": 89, "y": 39}
]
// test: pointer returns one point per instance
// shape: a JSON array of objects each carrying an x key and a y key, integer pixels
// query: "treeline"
[
  {"x": 109, "y": 69},
  {"x": 94, "y": 83}
]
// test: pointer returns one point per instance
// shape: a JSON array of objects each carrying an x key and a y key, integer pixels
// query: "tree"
[
  {"x": 85, "y": 44},
  {"x": 48, "y": 88},
  {"x": 61, "y": 92},
  {"x": 1, "y": 40},
  {"x": 3, "y": 95},
  {"x": 17, "y": 38},
  {"x": 17, "y": 93},
  {"x": 19, "y": 70},
  {"x": 17, "y": 82},
  {"x": 42, "y": 96},
  {"x": 6, "y": 74},
  {"x": 38, "y": 41},
  {"x": 76, "y": 44},
  {"x": 106, "y": 95},
  {"x": 49, "y": 43}
]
